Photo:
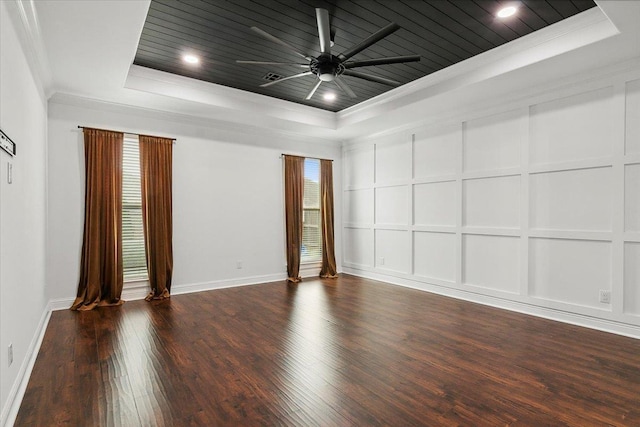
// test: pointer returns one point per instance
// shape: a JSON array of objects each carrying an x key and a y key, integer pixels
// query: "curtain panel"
[
  {"x": 101, "y": 278},
  {"x": 328, "y": 269},
  {"x": 156, "y": 181},
  {"x": 293, "y": 196}
]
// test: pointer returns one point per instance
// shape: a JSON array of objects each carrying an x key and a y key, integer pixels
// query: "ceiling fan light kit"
[{"x": 330, "y": 68}]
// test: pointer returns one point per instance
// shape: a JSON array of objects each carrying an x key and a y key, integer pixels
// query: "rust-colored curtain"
[
  {"x": 293, "y": 196},
  {"x": 100, "y": 281},
  {"x": 326, "y": 220},
  {"x": 156, "y": 178}
]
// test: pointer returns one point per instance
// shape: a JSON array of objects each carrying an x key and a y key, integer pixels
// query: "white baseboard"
[
  {"x": 310, "y": 272},
  {"x": 140, "y": 292},
  {"x": 60, "y": 303},
  {"x": 226, "y": 283},
  {"x": 12, "y": 405},
  {"x": 129, "y": 294},
  {"x": 604, "y": 325}
]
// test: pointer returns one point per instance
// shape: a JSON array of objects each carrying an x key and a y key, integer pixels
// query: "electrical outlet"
[
  {"x": 381, "y": 260},
  {"x": 10, "y": 354},
  {"x": 605, "y": 296},
  {"x": 239, "y": 265}
]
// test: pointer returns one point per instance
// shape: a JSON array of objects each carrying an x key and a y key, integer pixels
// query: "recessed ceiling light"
[
  {"x": 329, "y": 96},
  {"x": 191, "y": 59},
  {"x": 506, "y": 12}
]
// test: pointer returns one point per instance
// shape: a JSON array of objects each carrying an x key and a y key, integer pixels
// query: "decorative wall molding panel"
[{"x": 535, "y": 204}]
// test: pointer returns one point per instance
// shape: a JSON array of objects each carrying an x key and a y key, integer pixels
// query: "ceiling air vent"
[{"x": 272, "y": 77}]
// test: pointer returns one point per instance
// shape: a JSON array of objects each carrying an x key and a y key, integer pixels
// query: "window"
[
  {"x": 133, "y": 251},
  {"x": 311, "y": 236}
]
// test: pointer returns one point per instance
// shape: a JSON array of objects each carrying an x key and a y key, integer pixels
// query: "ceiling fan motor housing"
[{"x": 326, "y": 67}]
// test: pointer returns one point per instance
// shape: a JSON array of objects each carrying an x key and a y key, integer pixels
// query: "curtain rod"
[
  {"x": 130, "y": 133},
  {"x": 304, "y": 157}
]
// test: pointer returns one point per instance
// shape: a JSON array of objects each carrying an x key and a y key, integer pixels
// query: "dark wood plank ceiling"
[{"x": 442, "y": 32}]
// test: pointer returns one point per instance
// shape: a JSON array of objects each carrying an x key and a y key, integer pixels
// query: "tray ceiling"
[{"x": 442, "y": 32}]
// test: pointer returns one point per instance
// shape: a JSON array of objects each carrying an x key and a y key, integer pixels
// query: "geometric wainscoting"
[
  {"x": 569, "y": 270},
  {"x": 538, "y": 204},
  {"x": 632, "y": 278}
]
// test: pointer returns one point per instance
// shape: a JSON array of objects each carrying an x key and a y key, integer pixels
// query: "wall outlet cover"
[{"x": 605, "y": 296}]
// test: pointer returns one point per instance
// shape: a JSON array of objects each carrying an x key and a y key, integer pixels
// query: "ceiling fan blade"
[
  {"x": 271, "y": 63},
  {"x": 382, "y": 61},
  {"x": 295, "y": 76},
  {"x": 315, "y": 87},
  {"x": 373, "y": 38},
  {"x": 280, "y": 42},
  {"x": 371, "y": 78},
  {"x": 324, "y": 31},
  {"x": 345, "y": 88}
]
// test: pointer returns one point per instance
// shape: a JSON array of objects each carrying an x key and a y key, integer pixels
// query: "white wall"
[
  {"x": 531, "y": 205},
  {"x": 227, "y": 194},
  {"x": 23, "y": 117}
]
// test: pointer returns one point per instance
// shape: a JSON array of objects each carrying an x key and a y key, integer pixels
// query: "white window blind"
[
  {"x": 311, "y": 238},
  {"x": 133, "y": 252}
]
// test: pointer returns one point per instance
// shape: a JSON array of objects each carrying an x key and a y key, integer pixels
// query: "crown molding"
[
  {"x": 25, "y": 18},
  {"x": 240, "y": 130},
  {"x": 252, "y": 106},
  {"x": 572, "y": 33},
  {"x": 477, "y": 106}
]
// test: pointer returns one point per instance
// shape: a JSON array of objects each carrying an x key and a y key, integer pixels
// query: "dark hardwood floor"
[{"x": 327, "y": 353}]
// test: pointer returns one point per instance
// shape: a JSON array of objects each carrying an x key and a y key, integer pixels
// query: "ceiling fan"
[{"x": 330, "y": 68}]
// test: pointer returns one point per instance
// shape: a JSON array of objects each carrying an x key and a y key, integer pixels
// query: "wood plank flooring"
[{"x": 327, "y": 353}]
